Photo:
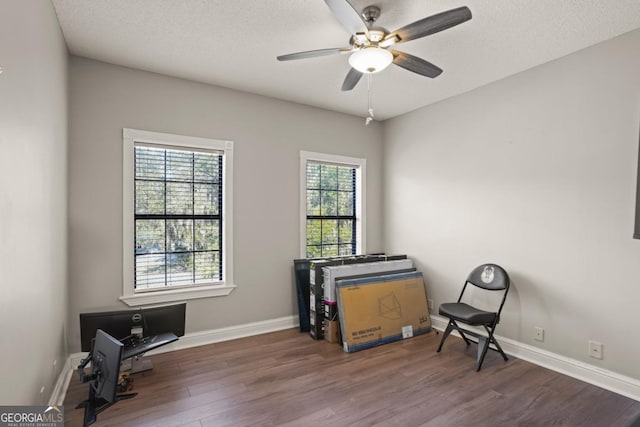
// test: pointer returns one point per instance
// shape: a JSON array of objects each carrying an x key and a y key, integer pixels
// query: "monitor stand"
[
  {"x": 95, "y": 405},
  {"x": 136, "y": 364},
  {"x": 135, "y": 347}
]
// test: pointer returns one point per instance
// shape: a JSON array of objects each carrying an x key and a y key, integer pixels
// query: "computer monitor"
[
  {"x": 105, "y": 365},
  {"x": 117, "y": 323},
  {"x": 168, "y": 318},
  {"x": 105, "y": 358},
  {"x": 121, "y": 324}
]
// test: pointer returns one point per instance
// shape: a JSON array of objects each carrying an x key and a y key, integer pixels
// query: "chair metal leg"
[
  {"x": 484, "y": 342},
  {"x": 504, "y": 356},
  {"x": 467, "y": 341},
  {"x": 483, "y": 346},
  {"x": 445, "y": 334},
  {"x": 495, "y": 342}
]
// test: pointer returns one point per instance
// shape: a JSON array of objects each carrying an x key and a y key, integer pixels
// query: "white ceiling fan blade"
[
  {"x": 314, "y": 53},
  {"x": 347, "y": 16},
  {"x": 415, "y": 64},
  {"x": 430, "y": 25},
  {"x": 352, "y": 79}
]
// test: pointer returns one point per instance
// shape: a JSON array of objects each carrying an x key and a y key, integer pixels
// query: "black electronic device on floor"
[
  {"x": 123, "y": 323},
  {"x": 105, "y": 358},
  {"x": 140, "y": 330}
]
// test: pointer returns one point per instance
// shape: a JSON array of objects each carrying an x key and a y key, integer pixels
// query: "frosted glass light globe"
[{"x": 371, "y": 59}]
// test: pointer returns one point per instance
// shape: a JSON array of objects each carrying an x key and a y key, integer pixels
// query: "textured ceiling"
[{"x": 234, "y": 43}]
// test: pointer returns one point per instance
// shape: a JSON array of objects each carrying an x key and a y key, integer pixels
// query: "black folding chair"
[{"x": 490, "y": 277}]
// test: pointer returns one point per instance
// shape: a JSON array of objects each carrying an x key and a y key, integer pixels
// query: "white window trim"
[
  {"x": 361, "y": 191},
  {"x": 129, "y": 294}
]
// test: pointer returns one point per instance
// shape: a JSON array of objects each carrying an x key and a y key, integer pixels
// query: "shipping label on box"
[
  {"x": 316, "y": 304},
  {"x": 378, "y": 310},
  {"x": 330, "y": 310}
]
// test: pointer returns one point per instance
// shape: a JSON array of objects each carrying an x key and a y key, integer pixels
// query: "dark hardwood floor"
[{"x": 286, "y": 379}]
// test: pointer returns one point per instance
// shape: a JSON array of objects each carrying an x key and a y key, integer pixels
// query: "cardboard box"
[
  {"x": 331, "y": 307},
  {"x": 330, "y": 310},
  {"x": 316, "y": 279},
  {"x": 315, "y": 267},
  {"x": 331, "y": 331},
  {"x": 331, "y": 273},
  {"x": 316, "y": 317},
  {"x": 316, "y": 325},
  {"x": 382, "y": 309}
]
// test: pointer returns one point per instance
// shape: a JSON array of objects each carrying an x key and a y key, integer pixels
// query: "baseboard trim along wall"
[
  {"x": 60, "y": 388},
  {"x": 621, "y": 384},
  {"x": 229, "y": 333},
  {"x": 608, "y": 380}
]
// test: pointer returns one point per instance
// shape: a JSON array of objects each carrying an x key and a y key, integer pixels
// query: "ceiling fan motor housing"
[
  {"x": 360, "y": 40},
  {"x": 370, "y": 14}
]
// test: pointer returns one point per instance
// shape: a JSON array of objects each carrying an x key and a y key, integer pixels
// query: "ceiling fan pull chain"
[{"x": 370, "y": 117}]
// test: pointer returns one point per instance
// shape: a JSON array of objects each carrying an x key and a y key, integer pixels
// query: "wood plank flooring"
[{"x": 286, "y": 379}]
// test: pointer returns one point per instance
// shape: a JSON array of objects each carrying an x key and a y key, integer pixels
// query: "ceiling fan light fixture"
[
  {"x": 371, "y": 59},
  {"x": 391, "y": 39}
]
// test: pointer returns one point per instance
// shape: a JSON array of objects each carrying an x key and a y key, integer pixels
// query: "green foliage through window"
[
  {"x": 178, "y": 222},
  {"x": 331, "y": 210}
]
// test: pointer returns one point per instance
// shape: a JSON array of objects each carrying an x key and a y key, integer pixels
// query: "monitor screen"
[
  {"x": 119, "y": 323},
  {"x": 105, "y": 364},
  {"x": 169, "y": 318}
]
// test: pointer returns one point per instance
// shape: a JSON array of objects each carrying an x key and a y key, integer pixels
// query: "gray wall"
[
  {"x": 268, "y": 136},
  {"x": 33, "y": 201},
  {"x": 537, "y": 173}
]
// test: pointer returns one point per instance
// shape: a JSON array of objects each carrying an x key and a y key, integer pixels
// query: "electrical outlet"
[
  {"x": 430, "y": 303},
  {"x": 538, "y": 334},
  {"x": 595, "y": 349}
]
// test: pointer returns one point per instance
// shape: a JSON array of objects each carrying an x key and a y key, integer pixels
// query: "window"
[
  {"x": 331, "y": 205},
  {"x": 176, "y": 217}
]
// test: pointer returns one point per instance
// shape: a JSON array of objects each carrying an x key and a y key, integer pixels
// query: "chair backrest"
[{"x": 489, "y": 276}]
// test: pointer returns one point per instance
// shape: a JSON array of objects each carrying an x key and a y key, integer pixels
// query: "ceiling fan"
[{"x": 369, "y": 46}]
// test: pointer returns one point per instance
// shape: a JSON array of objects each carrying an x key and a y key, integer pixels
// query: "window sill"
[{"x": 159, "y": 297}]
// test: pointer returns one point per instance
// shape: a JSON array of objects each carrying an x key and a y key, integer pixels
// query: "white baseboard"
[
  {"x": 187, "y": 341},
  {"x": 612, "y": 381},
  {"x": 60, "y": 388},
  {"x": 197, "y": 339}
]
